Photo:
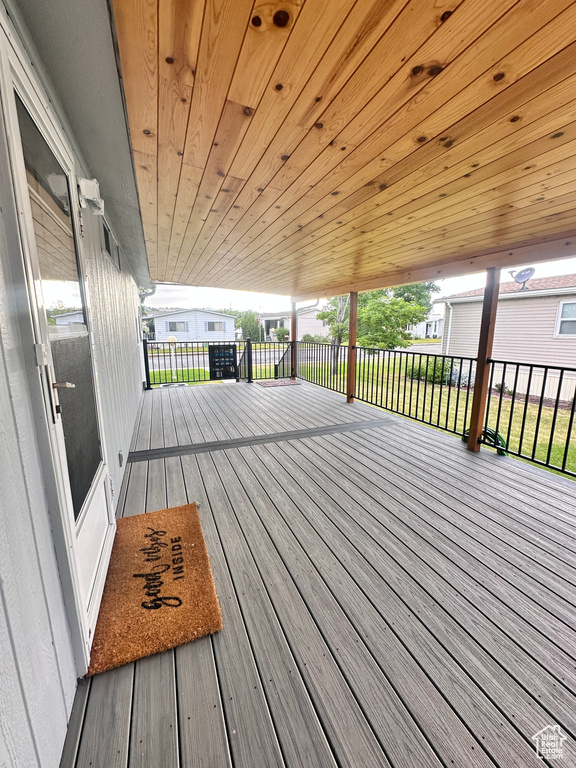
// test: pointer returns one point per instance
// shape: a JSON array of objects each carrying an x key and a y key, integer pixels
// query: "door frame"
[{"x": 17, "y": 74}]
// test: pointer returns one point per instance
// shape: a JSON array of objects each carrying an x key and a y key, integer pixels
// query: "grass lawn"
[
  {"x": 198, "y": 375},
  {"x": 426, "y": 341},
  {"x": 188, "y": 375}
]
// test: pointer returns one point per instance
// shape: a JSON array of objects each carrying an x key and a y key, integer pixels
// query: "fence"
[
  {"x": 190, "y": 362},
  {"x": 433, "y": 389},
  {"x": 529, "y": 412}
]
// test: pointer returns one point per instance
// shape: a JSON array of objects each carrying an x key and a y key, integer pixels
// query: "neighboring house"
[
  {"x": 431, "y": 328},
  {"x": 193, "y": 325},
  {"x": 308, "y": 323},
  {"x": 536, "y": 325},
  {"x": 68, "y": 322},
  {"x": 270, "y": 321}
]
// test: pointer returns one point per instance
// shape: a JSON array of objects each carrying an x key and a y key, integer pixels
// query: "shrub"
[
  {"x": 282, "y": 334},
  {"x": 447, "y": 375},
  {"x": 315, "y": 339}
]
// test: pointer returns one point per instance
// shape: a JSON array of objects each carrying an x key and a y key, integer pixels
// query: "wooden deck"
[{"x": 389, "y": 599}]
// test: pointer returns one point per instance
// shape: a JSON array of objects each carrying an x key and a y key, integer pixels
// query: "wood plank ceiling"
[{"x": 310, "y": 147}]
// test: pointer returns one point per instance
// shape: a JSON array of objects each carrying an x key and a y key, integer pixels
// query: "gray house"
[
  {"x": 193, "y": 325},
  {"x": 308, "y": 323},
  {"x": 536, "y": 324}
]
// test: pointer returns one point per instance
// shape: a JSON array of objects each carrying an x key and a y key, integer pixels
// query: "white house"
[
  {"x": 431, "y": 328},
  {"x": 193, "y": 325},
  {"x": 308, "y": 323}
]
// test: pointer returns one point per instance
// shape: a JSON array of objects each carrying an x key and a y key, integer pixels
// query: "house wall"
[
  {"x": 524, "y": 331},
  {"x": 196, "y": 327},
  {"x": 37, "y": 665},
  {"x": 309, "y": 323},
  {"x": 116, "y": 328}
]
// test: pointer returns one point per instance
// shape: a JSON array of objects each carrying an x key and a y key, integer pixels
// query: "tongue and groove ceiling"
[{"x": 312, "y": 147}]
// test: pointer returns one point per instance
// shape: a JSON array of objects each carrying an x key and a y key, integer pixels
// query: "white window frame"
[
  {"x": 176, "y": 323},
  {"x": 215, "y": 323},
  {"x": 559, "y": 319}
]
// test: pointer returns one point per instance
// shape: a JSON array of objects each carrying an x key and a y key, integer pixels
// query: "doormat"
[
  {"x": 159, "y": 591},
  {"x": 279, "y": 383}
]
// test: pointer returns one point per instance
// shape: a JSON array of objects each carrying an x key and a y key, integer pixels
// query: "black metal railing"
[
  {"x": 244, "y": 363},
  {"x": 433, "y": 389},
  {"x": 530, "y": 413},
  {"x": 266, "y": 356},
  {"x": 191, "y": 362},
  {"x": 530, "y": 409},
  {"x": 283, "y": 368},
  {"x": 323, "y": 364}
]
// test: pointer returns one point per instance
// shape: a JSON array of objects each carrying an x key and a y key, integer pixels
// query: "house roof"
[
  {"x": 561, "y": 283},
  {"x": 187, "y": 311},
  {"x": 342, "y": 146}
]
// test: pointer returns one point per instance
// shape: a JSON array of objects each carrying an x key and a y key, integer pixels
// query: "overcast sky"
[{"x": 216, "y": 298}]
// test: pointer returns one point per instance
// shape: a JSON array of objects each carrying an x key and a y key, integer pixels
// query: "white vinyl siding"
[
  {"x": 309, "y": 323},
  {"x": 194, "y": 325}
]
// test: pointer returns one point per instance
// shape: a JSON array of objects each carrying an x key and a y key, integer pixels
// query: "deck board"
[{"x": 388, "y": 598}]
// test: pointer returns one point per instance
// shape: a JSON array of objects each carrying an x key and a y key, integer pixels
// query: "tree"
[
  {"x": 383, "y": 315},
  {"x": 248, "y": 322},
  {"x": 335, "y": 313},
  {"x": 336, "y": 316},
  {"x": 383, "y": 318},
  {"x": 417, "y": 293}
]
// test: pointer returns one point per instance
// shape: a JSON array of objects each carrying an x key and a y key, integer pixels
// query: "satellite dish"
[{"x": 523, "y": 276}]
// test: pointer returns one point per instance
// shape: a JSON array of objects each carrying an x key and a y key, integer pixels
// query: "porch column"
[
  {"x": 351, "y": 382},
  {"x": 484, "y": 352},
  {"x": 294, "y": 338}
]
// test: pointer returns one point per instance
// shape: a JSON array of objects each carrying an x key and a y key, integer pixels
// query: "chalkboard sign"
[{"x": 222, "y": 359}]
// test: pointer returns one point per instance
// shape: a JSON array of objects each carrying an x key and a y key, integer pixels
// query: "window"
[
  {"x": 215, "y": 326},
  {"x": 176, "y": 327},
  {"x": 566, "y": 325},
  {"x": 109, "y": 244}
]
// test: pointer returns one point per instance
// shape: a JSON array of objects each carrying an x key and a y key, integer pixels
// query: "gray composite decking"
[{"x": 389, "y": 599}]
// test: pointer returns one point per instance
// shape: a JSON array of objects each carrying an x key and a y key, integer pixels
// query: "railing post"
[
  {"x": 489, "y": 309},
  {"x": 351, "y": 378},
  {"x": 146, "y": 363},
  {"x": 293, "y": 337},
  {"x": 249, "y": 359}
]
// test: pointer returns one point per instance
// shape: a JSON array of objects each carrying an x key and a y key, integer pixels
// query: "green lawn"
[{"x": 189, "y": 375}]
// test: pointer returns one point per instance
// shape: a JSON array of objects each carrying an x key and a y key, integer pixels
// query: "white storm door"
[{"x": 64, "y": 355}]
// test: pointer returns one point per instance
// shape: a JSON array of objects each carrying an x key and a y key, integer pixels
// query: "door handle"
[{"x": 63, "y": 385}]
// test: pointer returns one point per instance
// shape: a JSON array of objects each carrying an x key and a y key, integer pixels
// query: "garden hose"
[{"x": 491, "y": 435}]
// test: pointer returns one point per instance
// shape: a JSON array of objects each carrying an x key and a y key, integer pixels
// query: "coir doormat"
[
  {"x": 159, "y": 591},
  {"x": 279, "y": 383}
]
